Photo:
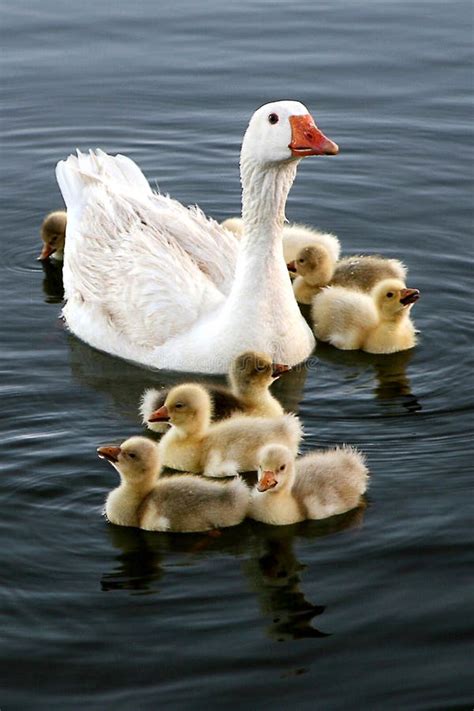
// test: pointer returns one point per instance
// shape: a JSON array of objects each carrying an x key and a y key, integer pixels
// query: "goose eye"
[
  {"x": 283, "y": 467},
  {"x": 273, "y": 119},
  {"x": 132, "y": 455},
  {"x": 179, "y": 405},
  {"x": 389, "y": 294},
  {"x": 301, "y": 261}
]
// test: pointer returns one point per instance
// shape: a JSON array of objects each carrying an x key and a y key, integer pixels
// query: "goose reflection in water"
[
  {"x": 124, "y": 382},
  {"x": 390, "y": 370},
  {"x": 272, "y": 567},
  {"x": 53, "y": 281}
]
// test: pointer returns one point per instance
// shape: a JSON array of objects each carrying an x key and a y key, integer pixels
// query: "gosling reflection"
[
  {"x": 53, "y": 281},
  {"x": 275, "y": 576},
  {"x": 392, "y": 383}
]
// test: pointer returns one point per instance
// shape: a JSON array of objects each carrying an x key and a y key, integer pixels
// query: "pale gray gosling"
[
  {"x": 250, "y": 376},
  {"x": 316, "y": 486},
  {"x": 53, "y": 234},
  {"x": 295, "y": 238},
  {"x": 222, "y": 449},
  {"x": 184, "y": 503},
  {"x": 378, "y": 322},
  {"x": 316, "y": 268}
]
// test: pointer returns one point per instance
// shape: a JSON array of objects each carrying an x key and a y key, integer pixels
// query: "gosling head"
[
  {"x": 136, "y": 459},
  {"x": 275, "y": 470},
  {"x": 393, "y": 299},
  {"x": 188, "y": 407},
  {"x": 252, "y": 371},
  {"x": 315, "y": 264},
  {"x": 53, "y": 234}
]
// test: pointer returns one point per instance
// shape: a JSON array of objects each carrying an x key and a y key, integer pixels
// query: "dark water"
[{"x": 370, "y": 610}]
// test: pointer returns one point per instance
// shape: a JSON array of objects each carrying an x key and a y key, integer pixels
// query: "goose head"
[
  {"x": 136, "y": 459},
  {"x": 393, "y": 299},
  {"x": 276, "y": 468},
  {"x": 284, "y": 131},
  {"x": 315, "y": 264},
  {"x": 252, "y": 371},
  {"x": 53, "y": 234},
  {"x": 187, "y": 407}
]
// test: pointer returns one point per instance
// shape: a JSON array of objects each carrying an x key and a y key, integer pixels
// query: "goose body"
[
  {"x": 378, "y": 322},
  {"x": 316, "y": 486},
  {"x": 154, "y": 282},
  {"x": 250, "y": 377},
  {"x": 223, "y": 449},
  {"x": 183, "y": 503}
]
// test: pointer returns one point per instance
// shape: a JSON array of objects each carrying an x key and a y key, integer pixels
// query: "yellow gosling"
[
  {"x": 221, "y": 449},
  {"x": 378, "y": 322}
]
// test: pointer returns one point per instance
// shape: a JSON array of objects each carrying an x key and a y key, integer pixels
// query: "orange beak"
[
  {"x": 308, "y": 140},
  {"x": 409, "y": 296},
  {"x": 267, "y": 481},
  {"x": 279, "y": 369},
  {"x": 45, "y": 252},
  {"x": 161, "y": 415},
  {"x": 110, "y": 453}
]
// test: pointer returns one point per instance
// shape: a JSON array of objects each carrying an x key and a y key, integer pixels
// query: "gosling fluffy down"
[
  {"x": 316, "y": 486},
  {"x": 378, "y": 322},
  {"x": 222, "y": 449},
  {"x": 183, "y": 503}
]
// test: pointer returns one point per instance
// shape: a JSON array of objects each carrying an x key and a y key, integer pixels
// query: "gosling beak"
[
  {"x": 308, "y": 140},
  {"x": 291, "y": 266},
  {"x": 409, "y": 296},
  {"x": 267, "y": 481},
  {"x": 110, "y": 453},
  {"x": 279, "y": 369},
  {"x": 46, "y": 252},
  {"x": 161, "y": 415}
]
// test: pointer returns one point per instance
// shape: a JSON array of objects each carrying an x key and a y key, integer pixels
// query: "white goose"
[{"x": 154, "y": 282}]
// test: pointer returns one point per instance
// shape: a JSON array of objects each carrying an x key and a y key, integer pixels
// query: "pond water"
[{"x": 369, "y": 610}]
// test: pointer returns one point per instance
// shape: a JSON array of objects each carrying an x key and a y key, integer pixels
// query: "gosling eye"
[
  {"x": 301, "y": 261},
  {"x": 389, "y": 294},
  {"x": 179, "y": 405},
  {"x": 283, "y": 467},
  {"x": 132, "y": 455},
  {"x": 273, "y": 119}
]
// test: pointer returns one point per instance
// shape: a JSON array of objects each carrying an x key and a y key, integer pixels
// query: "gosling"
[
  {"x": 53, "y": 234},
  {"x": 184, "y": 503},
  {"x": 378, "y": 322},
  {"x": 222, "y": 449},
  {"x": 316, "y": 486}
]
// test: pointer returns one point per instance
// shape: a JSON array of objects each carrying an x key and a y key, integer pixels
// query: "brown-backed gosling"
[
  {"x": 183, "y": 503},
  {"x": 378, "y": 322},
  {"x": 316, "y": 486},
  {"x": 222, "y": 449},
  {"x": 250, "y": 377}
]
